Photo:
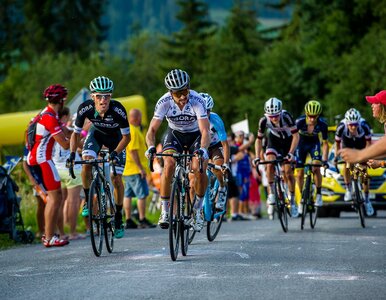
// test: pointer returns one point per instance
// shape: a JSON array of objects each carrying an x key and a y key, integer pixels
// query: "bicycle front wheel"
[
  {"x": 109, "y": 220},
  {"x": 174, "y": 220},
  {"x": 359, "y": 203},
  {"x": 213, "y": 226},
  {"x": 306, "y": 200},
  {"x": 95, "y": 216},
  {"x": 186, "y": 220},
  {"x": 313, "y": 210},
  {"x": 281, "y": 206}
]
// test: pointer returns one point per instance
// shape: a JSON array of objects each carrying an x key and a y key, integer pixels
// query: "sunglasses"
[
  {"x": 353, "y": 125},
  {"x": 274, "y": 116},
  {"x": 312, "y": 116},
  {"x": 102, "y": 96},
  {"x": 180, "y": 93}
]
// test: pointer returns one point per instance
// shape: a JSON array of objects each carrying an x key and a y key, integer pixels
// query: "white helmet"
[
  {"x": 272, "y": 106},
  {"x": 352, "y": 116},
  {"x": 209, "y": 100},
  {"x": 177, "y": 80}
]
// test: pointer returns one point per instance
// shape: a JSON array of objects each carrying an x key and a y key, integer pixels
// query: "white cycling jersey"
[{"x": 184, "y": 120}]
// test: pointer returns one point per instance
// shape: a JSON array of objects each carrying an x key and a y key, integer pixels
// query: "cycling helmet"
[
  {"x": 101, "y": 84},
  {"x": 352, "y": 116},
  {"x": 313, "y": 108},
  {"x": 177, "y": 80},
  {"x": 273, "y": 106},
  {"x": 209, "y": 100},
  {"x": 55, "y": 93}
]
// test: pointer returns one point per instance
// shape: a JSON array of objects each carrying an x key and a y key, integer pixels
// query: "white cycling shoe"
[
  {"x": 163, "y": 220},
  {"x": 347, "y": 196},
  {"x": 369, "y": 209},
  {"x": 198, "y": 222},
  {"x": 318, "y": 200},
  {"x": 294, "y": 211},
  {"x": 220, "y": 204}
]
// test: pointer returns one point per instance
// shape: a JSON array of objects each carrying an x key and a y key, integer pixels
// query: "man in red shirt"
[{"x": 49, "y": 130}]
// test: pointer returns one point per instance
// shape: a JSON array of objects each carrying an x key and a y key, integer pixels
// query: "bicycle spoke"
[{"x": 95, "y": 221}]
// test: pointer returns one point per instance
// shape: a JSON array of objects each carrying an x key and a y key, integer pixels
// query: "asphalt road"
[{"x": 248, "y": 260}]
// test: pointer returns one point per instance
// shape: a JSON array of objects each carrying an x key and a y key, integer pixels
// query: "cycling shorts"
[
  {"x": 46, "y": 174},
  {"x": 96, "y": 139},
  {"x": 178, "y": 141},
  {"x": 313, "y": 148},
  {"x": 278, "y": 146},
  {"x": 357, "y": 143}
]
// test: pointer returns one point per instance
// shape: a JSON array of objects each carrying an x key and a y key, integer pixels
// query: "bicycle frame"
[{"x": 211, "y": 193}]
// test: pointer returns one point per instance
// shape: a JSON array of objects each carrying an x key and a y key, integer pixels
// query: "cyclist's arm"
[
  {"x": 251, "y": 139},
  {"x": 125, "y": 140},
  {"x": 325, "y": 150},
  {"x": 294, "y": 143},
  {"x": 151, "y": 132},
  {"x": 376, "y": 150},
  {"x": 225, "y": 146},
  {"x": 258, "y": 146},
  {"x": 203, "y": 124},
  {"x": 74, "y": 141}
]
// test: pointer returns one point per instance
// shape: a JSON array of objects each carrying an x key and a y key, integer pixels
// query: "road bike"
[
  {"x": 280, "y": 192},
  {"x": 101, "y": 205},
  {"x": 359, "y": 176},
  {"x": 213, "y": 216},
  {"x": 181, "y": 206},
  {"x": 308, "y": 196}
]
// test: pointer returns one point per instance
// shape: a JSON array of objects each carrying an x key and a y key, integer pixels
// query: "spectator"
[
  {"x": 71, "y": 188},
  {"x": 48, "y": 131},
  {"x": 135, "y": 173}
]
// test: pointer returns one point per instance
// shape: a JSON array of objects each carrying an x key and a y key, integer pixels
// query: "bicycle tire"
[
  {"x": 359, "y": 203},
  {"x": 94, "y": 216},
  {"x": 313, "y": 209},
  {"x": 281, "y": 205},
  {"x": 186, "y": 223},
  {"x": 214, "y": 225},
  {"x": 109, "y": 220},
  {"x": 174, "y": 218},
  {"x": 306, "y": 200},
  {"x": 192, "y": 232}
]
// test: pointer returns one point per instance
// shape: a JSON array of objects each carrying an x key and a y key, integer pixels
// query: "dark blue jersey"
[{"x": 320, "y": 127}]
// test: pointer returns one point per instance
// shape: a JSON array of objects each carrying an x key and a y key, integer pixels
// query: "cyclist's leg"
[
  {"x": 316, "y": 156},
  {"x": 90, "y": 149},
  {"x": 217, "y": 157}
]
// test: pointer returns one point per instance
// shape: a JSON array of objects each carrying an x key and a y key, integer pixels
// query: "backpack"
[
  {"x": 8, "y": 189},
  {"x": 31, "y": 130}
]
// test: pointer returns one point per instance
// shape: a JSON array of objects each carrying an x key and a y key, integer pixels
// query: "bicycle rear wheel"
[
  {"x": 313, "y": 209},
  {"x": 306, "y": 200},
  {"x": 95, "y": 212},
  {"x": 359, "y": 203},
  {"x": 192, "y": 232},
  {"x": 109, "y": 220},
  {"x": 214, "y": 225},
  {"x": 174, "y": 220},
  {"x": 281, "y": 206}
]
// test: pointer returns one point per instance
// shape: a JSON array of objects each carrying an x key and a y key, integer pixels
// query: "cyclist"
[
  {"x": 188, "y": 126},
  {"x": 282, "y": 140},
  {"x": 110, "y": 128},
  {"x": 49, "y": 130},
  {"x": 218, "y": 148},
  {"x": 353, "y": 132},
  {"x": 309, "y": 126}
]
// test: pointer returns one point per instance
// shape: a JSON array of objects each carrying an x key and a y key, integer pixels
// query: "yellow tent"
[{"x": 13, "y": 125}]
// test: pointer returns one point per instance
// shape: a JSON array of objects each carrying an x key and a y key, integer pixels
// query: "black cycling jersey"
[
  {"x": 320, "y": 127},
  {"x": 114, "y": 120},
  {"x": 358, "y": 140},
  {"x": 285, "y": 129}
]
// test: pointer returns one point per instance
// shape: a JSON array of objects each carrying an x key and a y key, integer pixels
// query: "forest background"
[{"x": 333, "y": 51}]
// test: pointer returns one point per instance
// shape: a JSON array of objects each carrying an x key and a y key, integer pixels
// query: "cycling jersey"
[
  {"x": 217, "y": 129},
  {"x": 47, "y": 127},
  {"x": 358, "y": 140},
  {"x": 114, "y": 119},
  {"x": 309, "y": 142},
  {"x": 320, "y": 127},
  {"x": 183, "y": 120},
  {"x": 283, "y": 130}
]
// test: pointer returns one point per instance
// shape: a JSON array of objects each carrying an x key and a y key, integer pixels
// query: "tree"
[
  {"x": 233, "y": 63},
  {"x": 187, "y": 49}
]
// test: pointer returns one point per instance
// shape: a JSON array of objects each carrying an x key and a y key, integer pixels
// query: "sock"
[
  {"x": 86, "y": 193},
  {"x": 118, "y": 215},
  {"x": 165, "y": 205},
  {"x": 319, "y": 190},
  {"x": 199, "y": 201},
  {"x": 272, "y": 187},
  {"x": 292, "y": 198},
  {"x": 367, "y": 200}
]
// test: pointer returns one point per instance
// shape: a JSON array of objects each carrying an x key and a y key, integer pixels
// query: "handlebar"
[
  {"x": 176, "y": 156},
  {"x": 93, "y": 161}
]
